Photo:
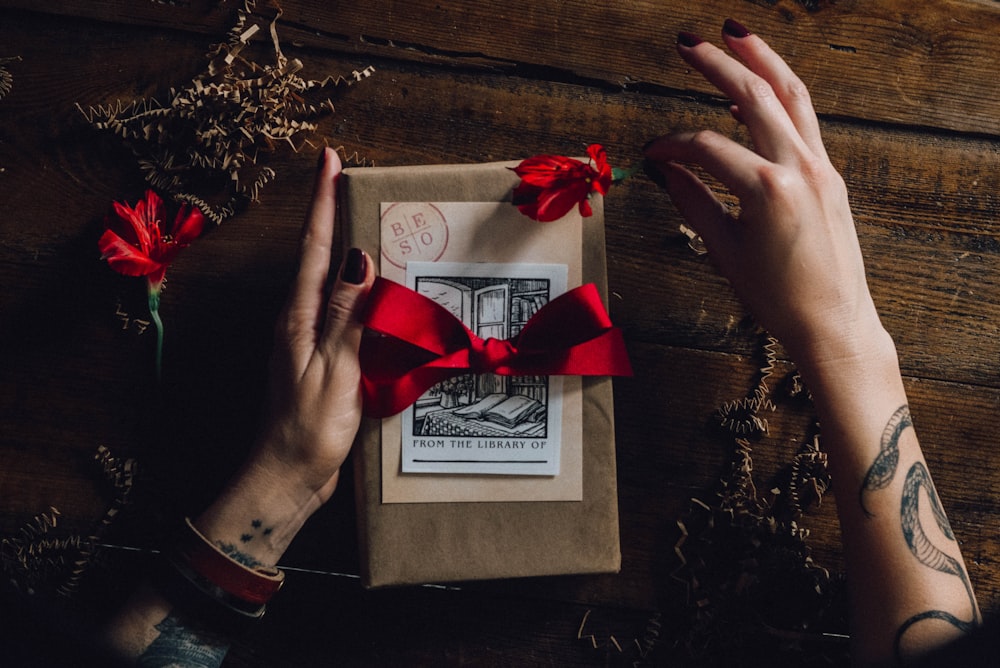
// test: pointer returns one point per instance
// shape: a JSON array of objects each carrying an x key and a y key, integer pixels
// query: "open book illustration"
[{"x": 500, "y": 409}]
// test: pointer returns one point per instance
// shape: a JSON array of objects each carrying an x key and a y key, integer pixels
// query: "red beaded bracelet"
[{"x": 243, "y": 589}]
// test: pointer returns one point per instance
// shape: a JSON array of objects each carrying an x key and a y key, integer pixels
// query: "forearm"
[
  {"x": 253, "y": 522},
  {"x": 148, "y": 631},
  {"x": 909, "y": 588}
]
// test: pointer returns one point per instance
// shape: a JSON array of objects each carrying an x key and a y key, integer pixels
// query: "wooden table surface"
[{"x": 910, "y": 109}]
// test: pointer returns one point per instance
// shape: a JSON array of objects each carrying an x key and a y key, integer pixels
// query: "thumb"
[
  {"x": 346, "y": 302},
  {"x": 699, "y": 207}
]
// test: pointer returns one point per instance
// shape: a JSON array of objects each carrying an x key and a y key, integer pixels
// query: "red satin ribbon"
[{"x": 424, "y": 344}]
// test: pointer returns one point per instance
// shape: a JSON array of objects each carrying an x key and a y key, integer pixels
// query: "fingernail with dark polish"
[
  {"x": 654, "y": 173},
  {"x": 355, "y": 267},
  {"x": 735, "y": 29},
  {"x": 688, "y": 39},
  {"x": 322, "y": 160}
]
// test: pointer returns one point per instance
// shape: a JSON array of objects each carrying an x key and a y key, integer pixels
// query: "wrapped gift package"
[{"x": 446, "y": 491}]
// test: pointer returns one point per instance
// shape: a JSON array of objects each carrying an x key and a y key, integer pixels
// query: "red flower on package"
[
  {"x": 140, "y": 243},
  {"x": 551, "y": 185}
]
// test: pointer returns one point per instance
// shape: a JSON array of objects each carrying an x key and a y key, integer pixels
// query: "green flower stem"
[
  {"x": 620, "y": 174},
  {"x": 154, "y": 312}
]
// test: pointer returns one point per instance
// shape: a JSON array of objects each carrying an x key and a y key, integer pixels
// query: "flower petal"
[
  {"x": 132, "y": 226},
  {"x": 125, "y": 258},
  {"x": 602, "y": 170},
  {"x": 525, "y": 198},
  {"x": 546, "y": 170},
  {"x": 187, "y": 225},
  {"x": 154, "y": 212},
  {"x": 555, "y": 203}
]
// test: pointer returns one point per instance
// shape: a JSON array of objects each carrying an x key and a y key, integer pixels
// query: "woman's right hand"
[{"x": 791, "y": 253}]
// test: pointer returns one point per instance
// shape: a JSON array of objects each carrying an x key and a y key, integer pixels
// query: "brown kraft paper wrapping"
[{"x": 410, "y": 543}]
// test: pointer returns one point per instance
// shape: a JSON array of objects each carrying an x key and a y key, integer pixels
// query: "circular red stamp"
[{"x": 413, "y": 232}]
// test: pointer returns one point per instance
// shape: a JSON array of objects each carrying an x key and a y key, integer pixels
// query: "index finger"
[
  {"x": 316, "y": 245},
  {"x": 735, "y": 166}
]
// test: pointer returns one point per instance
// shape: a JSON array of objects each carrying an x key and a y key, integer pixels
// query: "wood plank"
[
  {"x": 422, "y": 626},
  {"x": 879, "y": 61},
  {"x": 74, "y": 374},
  {"x": 924, "y": 202}
]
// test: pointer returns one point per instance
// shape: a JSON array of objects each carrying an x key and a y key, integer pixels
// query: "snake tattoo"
[
  {"x": 879, "y": 475},
  {"x": 927, "y": 553},
  {"x": 883, "y": 469}
]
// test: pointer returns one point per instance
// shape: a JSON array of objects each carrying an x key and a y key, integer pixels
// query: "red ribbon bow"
[{"x": 425, "y": 344}]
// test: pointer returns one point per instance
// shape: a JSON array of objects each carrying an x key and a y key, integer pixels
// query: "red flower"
[
  {"x": 140, "y": 243},
  {"x": 551, "y": 185}
]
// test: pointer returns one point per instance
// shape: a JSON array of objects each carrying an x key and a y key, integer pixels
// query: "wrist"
[
  {"x": 856, "y": 386},
  {"x": 259, "y": 513},
  {"x": 305, "y": 459},
  {"x": 856, "y": 352}
]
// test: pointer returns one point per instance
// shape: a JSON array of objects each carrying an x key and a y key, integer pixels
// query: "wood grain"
[
  {"x": 891, "y": 61},
  {"x": 908, "y": 107}
]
